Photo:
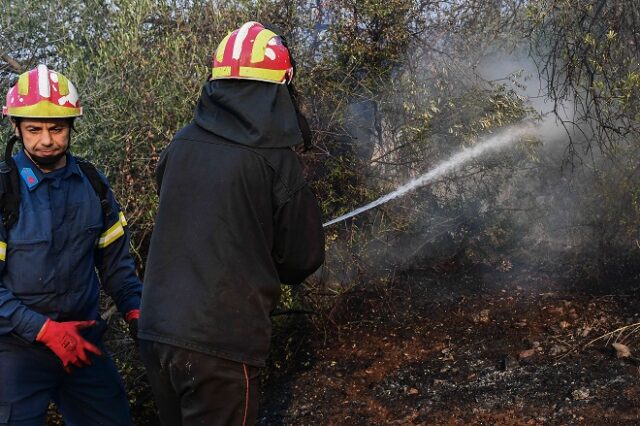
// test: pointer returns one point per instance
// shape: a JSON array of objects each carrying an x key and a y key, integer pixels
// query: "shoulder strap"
[
  {"x": 98, "y": 185},
  {"x": 10, "y": 187}
]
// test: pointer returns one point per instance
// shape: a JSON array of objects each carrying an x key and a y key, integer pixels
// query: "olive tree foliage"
[
  {"x": 589, "y": 54},
  {"x": 404, "y": 97},
  {"x": 394, "y": 90}
]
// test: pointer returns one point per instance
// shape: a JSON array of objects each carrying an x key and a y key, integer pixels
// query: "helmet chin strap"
[{"x": 47, "y": 161}]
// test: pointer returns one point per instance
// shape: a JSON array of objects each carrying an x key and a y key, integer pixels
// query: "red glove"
[
  {"x": 65, "y": 341},
  {"x": 132, "y": 314}
]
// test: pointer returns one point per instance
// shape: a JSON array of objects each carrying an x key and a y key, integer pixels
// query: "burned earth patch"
[{"x": 476, "y": 347}]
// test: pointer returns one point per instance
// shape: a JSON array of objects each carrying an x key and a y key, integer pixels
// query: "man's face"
[{"x": 46, "y": 140}]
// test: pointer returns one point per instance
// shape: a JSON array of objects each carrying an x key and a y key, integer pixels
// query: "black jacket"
[{"x": 236, "y": 218}]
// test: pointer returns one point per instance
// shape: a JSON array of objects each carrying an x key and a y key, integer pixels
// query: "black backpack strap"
[
  {"x": 10, "y": 190},
  {"x": 98, "y": 185}
]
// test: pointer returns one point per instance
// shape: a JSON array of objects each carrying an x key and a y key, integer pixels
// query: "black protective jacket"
[{"x": 236, "y": 218}]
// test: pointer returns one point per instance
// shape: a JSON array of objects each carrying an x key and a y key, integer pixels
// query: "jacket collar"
[{"x": 32, "y": 175}]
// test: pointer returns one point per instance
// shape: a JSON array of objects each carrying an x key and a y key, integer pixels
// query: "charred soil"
[{"x": 475, "y": 347}]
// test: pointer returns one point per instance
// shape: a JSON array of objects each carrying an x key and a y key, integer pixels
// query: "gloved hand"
[
  {"x": 66, "y": 342},
  {"x": 132, "y": 319}
]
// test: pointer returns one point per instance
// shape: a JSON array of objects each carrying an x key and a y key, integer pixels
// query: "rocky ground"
[{"x": 469, "y": 348}]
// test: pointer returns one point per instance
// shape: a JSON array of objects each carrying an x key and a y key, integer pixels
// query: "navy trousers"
[{"x": 31, "y": 376}]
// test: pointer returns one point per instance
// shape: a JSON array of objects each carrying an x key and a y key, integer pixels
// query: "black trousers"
[{"x": 192, "y": 388}]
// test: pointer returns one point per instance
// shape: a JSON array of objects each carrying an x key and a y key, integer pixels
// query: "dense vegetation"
[{"x": 391, "y": 89}]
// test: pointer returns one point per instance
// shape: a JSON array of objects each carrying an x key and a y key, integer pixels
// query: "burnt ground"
[{"x": 467, "y": 348}]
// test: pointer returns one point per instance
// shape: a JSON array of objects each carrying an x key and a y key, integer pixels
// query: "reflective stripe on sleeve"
[
  {"x": 112, "y": 234},
  {"x": 3, "y": 250},
  {"x": 123, "y": 221}
]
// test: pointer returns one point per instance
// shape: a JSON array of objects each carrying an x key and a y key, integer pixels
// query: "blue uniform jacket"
[{"x": 54, "y": 258}]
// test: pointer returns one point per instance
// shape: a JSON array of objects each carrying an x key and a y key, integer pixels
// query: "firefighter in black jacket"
[{"x": 236, "y": 219}]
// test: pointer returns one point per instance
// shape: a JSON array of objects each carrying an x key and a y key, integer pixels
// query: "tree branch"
[{"x": 14, "y": 65}]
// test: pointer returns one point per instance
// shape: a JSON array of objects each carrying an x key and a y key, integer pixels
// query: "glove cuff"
[
  {"x": 132, "y": 314},
  {"x": 43, "y": 330}
]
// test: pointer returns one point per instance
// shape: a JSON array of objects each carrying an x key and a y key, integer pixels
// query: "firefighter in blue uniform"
[{"x": 63, "y": 242}]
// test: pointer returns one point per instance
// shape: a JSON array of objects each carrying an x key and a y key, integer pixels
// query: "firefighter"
[
  {"x": 235, "y": 220},
  {"x": 62, "y": 237}
]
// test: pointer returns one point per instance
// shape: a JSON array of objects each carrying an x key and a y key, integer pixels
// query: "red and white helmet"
[
  {"x": 42, "y": 93},
  {"x": 252, "y": 52}
]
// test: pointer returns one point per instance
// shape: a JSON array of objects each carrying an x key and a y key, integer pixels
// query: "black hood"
[{"x": 250, "y": 113}]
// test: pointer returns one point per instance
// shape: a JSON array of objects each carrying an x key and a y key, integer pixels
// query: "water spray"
[{"x": 499, "y": 140}]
